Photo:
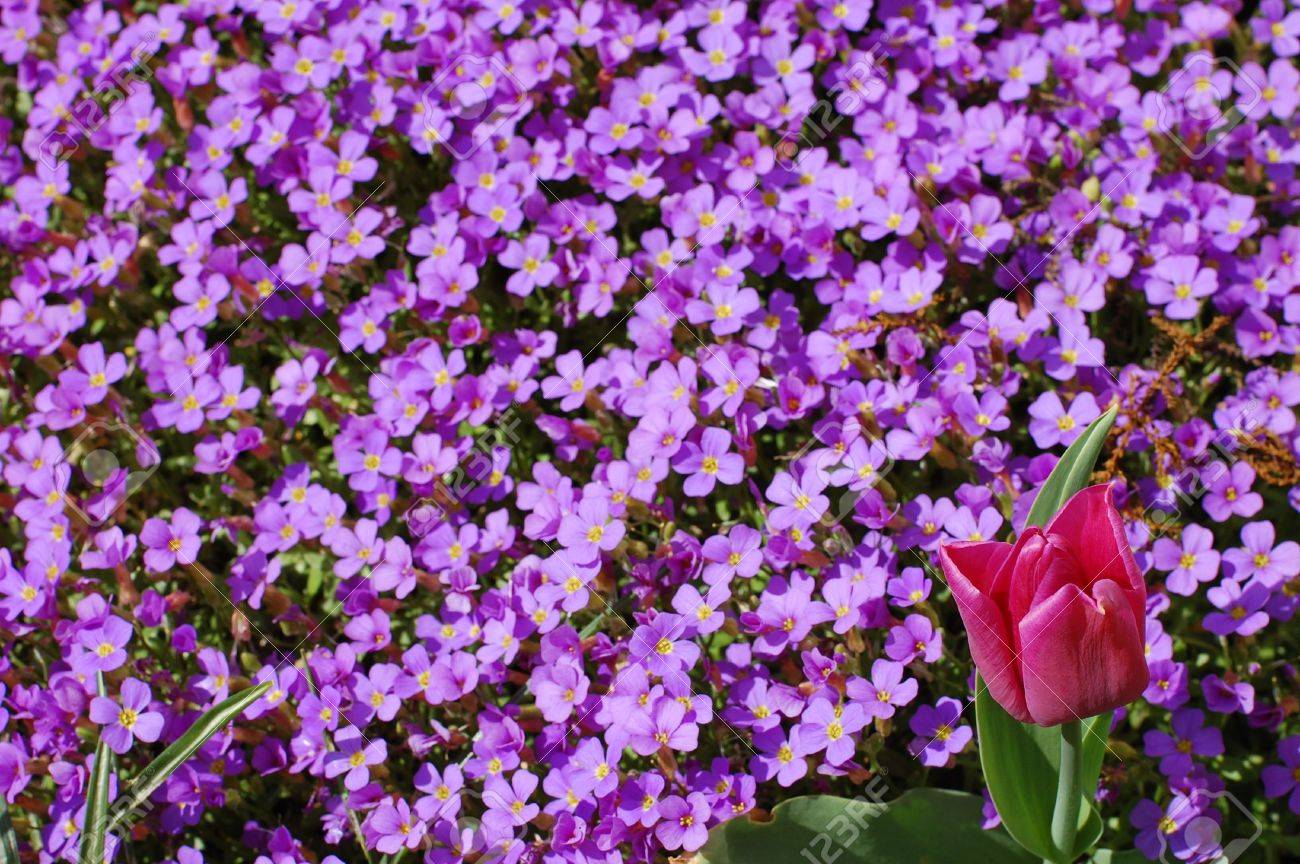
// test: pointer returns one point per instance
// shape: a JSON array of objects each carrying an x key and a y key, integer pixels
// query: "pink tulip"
[{"x": 1056, "y": 622}]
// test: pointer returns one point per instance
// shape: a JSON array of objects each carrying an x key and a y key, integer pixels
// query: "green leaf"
[
  {"x": 8, "y": 839},
  {"x": 921, "y": 826},
  {"x": 182, "y": 749},
  {"x": 94, "y": 825},
  {"x": 1021, "y": 763},
  {"x": 1073, "y": 471},
  {"x": 1110, "y": 856}
]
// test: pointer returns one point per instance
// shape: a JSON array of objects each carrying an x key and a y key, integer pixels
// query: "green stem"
[{"x": 1069, "y": 795}]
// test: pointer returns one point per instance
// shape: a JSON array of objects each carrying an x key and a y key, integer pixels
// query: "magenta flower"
[
  {"x": 1053, "y": 424},
  {"x": 168, "y": 543},
  {"x": 590, "y": 530},
  {"x": 1284, "y": 778},
  {"x": 683, "y": 822},
  {"x": 939, "y": 735},
  {"x": 392, "y": 827},
  {"x": 354, "y": 757},
  {"x": 1189, "y": 562},
  {"x": 127, "y": 720},
  {"x": 709, "y": 462}
]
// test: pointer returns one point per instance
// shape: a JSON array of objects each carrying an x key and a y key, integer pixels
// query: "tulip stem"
[{"x": 1069, "y": 794}]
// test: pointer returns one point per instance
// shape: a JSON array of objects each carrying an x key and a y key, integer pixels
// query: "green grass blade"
[
  {"x": 182, "y": 749},
  {"x": 8, "y": 839},
  {"x": 94, "y": 827}
]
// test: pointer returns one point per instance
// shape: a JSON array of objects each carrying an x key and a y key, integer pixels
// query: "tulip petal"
[
  {"x": 1092, "y": 530},
  {"x": 1081, "y": 655},
  {"x": 970, "y": 569},
  {"x": 977, "y": 562}
]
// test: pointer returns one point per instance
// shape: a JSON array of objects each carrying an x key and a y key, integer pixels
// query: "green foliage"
[
  {"x": 1021, "y": 761},
  {"x": 100, "y": 820},
  {"x": 1021, "y": 765},
  {"x": 923, "y": 825}
]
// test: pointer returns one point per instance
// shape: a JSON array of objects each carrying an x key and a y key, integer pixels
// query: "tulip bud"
[{"x": 1056, "y": 622}]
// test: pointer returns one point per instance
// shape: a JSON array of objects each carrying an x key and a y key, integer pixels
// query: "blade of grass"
[
  {"x": 182, "y": 749},
  {"x": 94, "y": 826},
  {"x": 8, "y": 839}
]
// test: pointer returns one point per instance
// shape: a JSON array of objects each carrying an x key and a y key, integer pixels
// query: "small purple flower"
[
  {"x": 939, "y": 737},
  {"x": 1259, "y": 559},
  {"x": 781, "y": 757},
  {"x": 1052, "y": 424},
  {"x": 1189, "y": 562},
  {"x": 392, "y": 826},
  {"x": 103, "y": 646},
  {"x": 833, "y": 728},
  {"x": 1284, "y": 778},
  {"x": 709, "y": 462},
  {"x": 170, "y": 543},
  {"x": 1228, "y": 491},
  {"x": 1225, "y": 697},
  {"x": 590, "y": 530},
  {"x": 915, "y": 637},
  {"x": 1167, "y": 686},
  {"x": 683, "y": 822},
  {"x": 1242, "y": 608},
  {"x": 1191, "y": 737},
  {"x": 663, "y": 725},
  {"x": 128, "y": 720},
  {"x": 885, "y": 692},
  {"x": 354, "y": 757}
]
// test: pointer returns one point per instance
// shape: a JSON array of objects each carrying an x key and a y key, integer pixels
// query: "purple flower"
[
  {"x": 939, "y": 737},
  {"x": 1259, "y": 559},
  {"x": 103, "y": 646},
  {"x": 1052, "y": 424},
  {"x": 709, "y": 462},
  {"x": 916, "y": 637},
  {"x": 354, "y": 757},
  {"x": 1228, "y": 491},
  {"x": 1225, "y": 697},
  {"x": 170, "y": 543},
  {"x": 1189, "y": 562},
  {"x": 1191, "y": 737},
  {"x": 887, "y": 690},
  {"x": 1168, "y": 684},
  {"x": 781, "y": 757},
  {"x": 1241, "y": 608},
  {"x": 832, "y": 728},
  {"x": 392, "y": 826},
  {"x": 129, "y": 719},
  {"x": 664, "y": 724},
  {"x": 683, "y": 822},
  {"x": 1284, "y": 778},
  {"x": 590, "y": 530}
]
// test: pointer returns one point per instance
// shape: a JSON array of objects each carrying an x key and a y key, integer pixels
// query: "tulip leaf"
[
  {"x": 1021, "y": 764},
  {"x": 1074, "y": 470},
  {"x": 182, "y": 749},
  {"x": 1022, "y": 761},
  {"x": 94, "y": 824},
  {"x": 922, "y": 825}
]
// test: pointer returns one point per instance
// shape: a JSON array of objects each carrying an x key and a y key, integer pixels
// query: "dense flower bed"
[{"x": 563, "y": 406}]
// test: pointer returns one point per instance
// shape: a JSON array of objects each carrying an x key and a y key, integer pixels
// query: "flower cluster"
[{"x": 562, "y": 406}]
